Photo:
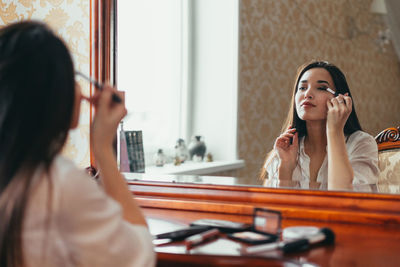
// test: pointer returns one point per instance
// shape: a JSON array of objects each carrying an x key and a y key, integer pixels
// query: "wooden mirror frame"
[
  {"x": 349, "y": 207},
  {"x": 346, "y": 207},
  {"x": 102, "y": 52}
]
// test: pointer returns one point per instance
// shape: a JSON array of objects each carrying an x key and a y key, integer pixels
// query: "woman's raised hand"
[
  {"x": 339, "y": 109},
  {"x": 107, "y": 117},
  {"x": 286, "y": 147},
  {"x": 104, "y": 127}
]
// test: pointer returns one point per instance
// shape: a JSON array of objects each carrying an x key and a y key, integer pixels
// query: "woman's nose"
[{"x": 308, "y": 93}]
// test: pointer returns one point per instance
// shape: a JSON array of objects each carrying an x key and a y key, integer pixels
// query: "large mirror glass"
[{"x": 224, "y": 71}]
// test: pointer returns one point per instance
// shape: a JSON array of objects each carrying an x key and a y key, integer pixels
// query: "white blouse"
[
  {"x": 362, "y": 151},
  {"x": 84, "y": 227}
]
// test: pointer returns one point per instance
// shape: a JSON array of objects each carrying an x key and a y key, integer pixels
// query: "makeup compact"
[{"x": 266, "y": 228}]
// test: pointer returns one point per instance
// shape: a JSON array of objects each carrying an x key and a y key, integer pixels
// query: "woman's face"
[
  {"x": 77, "y": 106},
  {"x": 312, "y": 96}
]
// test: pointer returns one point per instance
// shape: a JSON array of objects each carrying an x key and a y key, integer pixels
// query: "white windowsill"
[{"x": 196, "y": 168}]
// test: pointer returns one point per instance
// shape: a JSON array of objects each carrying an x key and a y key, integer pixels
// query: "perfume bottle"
[
  {"x": 159, "y": 158},
  {"x": 181, "y": 151}
]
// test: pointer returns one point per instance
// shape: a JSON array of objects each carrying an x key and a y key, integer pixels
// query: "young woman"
[
  {"x": 52, "y": 213},
  {"x": 322, "y": 144}
]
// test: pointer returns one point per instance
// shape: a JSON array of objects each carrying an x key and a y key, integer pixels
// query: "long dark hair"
[
  {"x": 36, "y": 106},
  {"x": 292, "y": 119}
]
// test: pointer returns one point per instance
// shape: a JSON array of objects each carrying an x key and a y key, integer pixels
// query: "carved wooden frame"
[
  {"x": 102, "y": 55},
  {"x": 388, "y": 138}
]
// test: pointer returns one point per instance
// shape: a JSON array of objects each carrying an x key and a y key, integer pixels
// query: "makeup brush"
[
  {"x": 330, "y": 91},
  {"x": 98, "y": 85}
]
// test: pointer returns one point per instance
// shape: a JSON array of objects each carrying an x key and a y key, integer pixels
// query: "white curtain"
[{"x": 393, "y": 20}]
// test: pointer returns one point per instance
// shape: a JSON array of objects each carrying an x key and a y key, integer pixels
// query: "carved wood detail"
[{"x": 388, "y": 138}]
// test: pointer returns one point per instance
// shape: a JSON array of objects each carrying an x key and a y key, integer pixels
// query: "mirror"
[{"x": 274, "y": 39}]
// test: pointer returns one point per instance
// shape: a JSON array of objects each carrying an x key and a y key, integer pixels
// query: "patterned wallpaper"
[
  {"x": 70, "y": 19},
  {"x": 276, "y": 37}
]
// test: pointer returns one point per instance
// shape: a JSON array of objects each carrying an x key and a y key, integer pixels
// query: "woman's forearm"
[
  {"x": 115, "y": 186},
  {"x": 285, "y": 172},
  {"x": 340, "y": 171}
]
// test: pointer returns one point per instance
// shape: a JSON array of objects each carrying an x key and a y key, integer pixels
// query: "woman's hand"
[
  {"x": 104, "y": 127},
  {"x": 108, "y": 115},
  {"x": 340, "y": 171},
  {"x": 286, "y": 147},
  {"x": 339, "y": 109}
]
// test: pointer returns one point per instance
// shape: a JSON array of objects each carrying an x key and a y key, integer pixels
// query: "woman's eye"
[
  {"x": 322, "y": 88},
  {"x": 302, "y": 88}
]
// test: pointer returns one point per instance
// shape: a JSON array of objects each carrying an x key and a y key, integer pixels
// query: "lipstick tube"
[{"x": 194, "y": 240}]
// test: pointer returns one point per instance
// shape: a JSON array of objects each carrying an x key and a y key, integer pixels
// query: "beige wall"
[
  {"x": 278, "y": 36},
  {"x": 70, "y": 19}
]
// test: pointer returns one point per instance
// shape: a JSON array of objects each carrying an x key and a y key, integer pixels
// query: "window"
[{"x": 177, "y": 62}]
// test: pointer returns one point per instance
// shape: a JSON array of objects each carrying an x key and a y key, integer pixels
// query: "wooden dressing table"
[
  {"x": 356, "y": 245},
  {"x": 367, "y": 226}
]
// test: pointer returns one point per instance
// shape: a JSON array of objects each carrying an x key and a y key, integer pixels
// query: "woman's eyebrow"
[{"x": 322, "y": 81}]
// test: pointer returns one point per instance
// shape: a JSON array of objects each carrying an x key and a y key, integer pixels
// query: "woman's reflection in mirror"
[{"x": 322, "y": 144}]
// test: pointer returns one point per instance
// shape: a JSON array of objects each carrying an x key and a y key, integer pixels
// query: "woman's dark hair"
[
  {"x": 292, "y": 119},
  {"x": 36, "y": 106}
]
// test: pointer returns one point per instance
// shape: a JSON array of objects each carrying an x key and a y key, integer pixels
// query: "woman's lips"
[{"x": 307, "y": 104}]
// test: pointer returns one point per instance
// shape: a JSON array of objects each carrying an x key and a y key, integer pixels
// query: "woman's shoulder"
[
  {"x": 361, "y": 136},
  {"x": 73, "y": 186},
  {"x": 63, "y": 164},
  {"x": 64, "y": 168},
  {"x": 62, "y": 161},
  {"x": 361, "y": 142}
]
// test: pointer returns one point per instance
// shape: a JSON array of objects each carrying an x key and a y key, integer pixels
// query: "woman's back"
[{"x": 81, "y": 225}]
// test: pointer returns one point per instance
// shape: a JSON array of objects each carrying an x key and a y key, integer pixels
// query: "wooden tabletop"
[{"x": 356, "y": 244}]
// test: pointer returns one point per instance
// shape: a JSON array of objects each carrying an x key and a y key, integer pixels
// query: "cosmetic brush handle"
[{"x": 115, "y": 98}]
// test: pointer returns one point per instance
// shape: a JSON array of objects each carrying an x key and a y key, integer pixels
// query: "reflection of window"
[
  {"x": 177, "y": 62},
  {"x": 149, "y": 68}
]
